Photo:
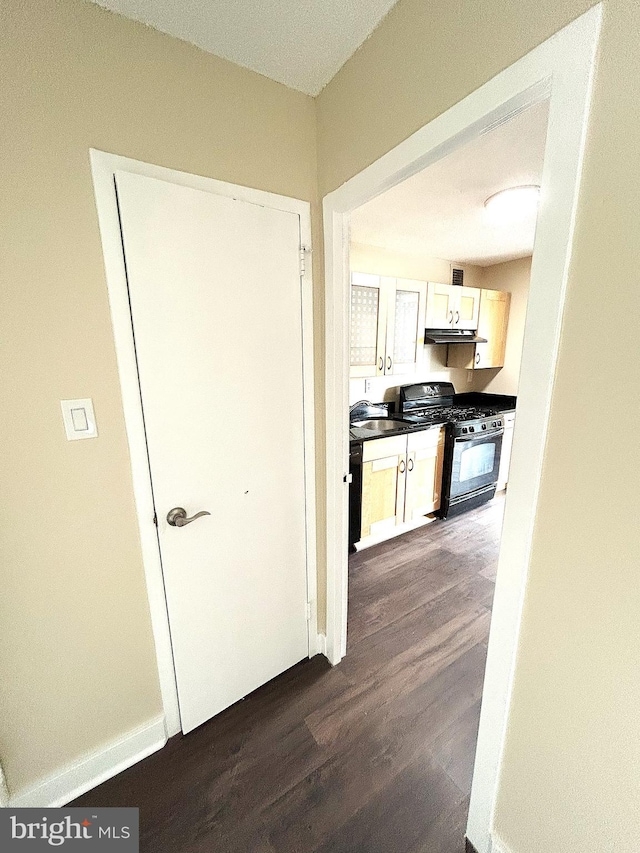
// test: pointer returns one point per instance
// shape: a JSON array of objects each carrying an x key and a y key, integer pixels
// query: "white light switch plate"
[{"x": 79, "y": 419}]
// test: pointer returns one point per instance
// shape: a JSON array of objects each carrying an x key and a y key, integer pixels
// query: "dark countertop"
[
  {"x": 359, "y": 434},
  {"x": 497, "y": 402},
  {"x": 500, "y": 402}
]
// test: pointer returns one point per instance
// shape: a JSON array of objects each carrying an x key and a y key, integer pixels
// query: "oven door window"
[
  {"x": 475, "y": 464},
  {"x": 477, "y": 461}
]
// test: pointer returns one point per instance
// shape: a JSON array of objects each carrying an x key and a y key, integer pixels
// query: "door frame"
[
  {"x": 561, "y": 69},
  {"x": 103, "y": 168}
]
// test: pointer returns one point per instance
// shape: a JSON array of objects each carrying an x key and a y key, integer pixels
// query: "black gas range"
[{"x": 472, "y": 446}]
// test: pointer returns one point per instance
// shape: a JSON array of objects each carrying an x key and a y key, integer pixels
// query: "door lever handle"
[{"x": 177, "y": 517}]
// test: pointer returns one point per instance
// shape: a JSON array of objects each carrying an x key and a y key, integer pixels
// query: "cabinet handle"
[
  {"x": 457, "y": 317},
  {"x": 380, "y": 363},
  {"x": 451, "y": 318},
  {"x": 410, "y": 465},
  {"x": 389, "y": 362},
  {"x": 477, "y": 358},
  {"x": 402, "y": 466}
]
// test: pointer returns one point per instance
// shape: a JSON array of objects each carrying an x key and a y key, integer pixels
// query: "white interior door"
[{"x": 215, "y": 298}]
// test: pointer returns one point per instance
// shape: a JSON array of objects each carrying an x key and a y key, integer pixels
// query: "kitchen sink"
[{"x": 381, "y": 424}]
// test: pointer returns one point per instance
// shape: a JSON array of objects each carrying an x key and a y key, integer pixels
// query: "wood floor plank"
[
  {"x": 372, "y": 755},
  {"x": 399, "y": 817},
  {"x": 446, "y": 833},
  {"x": 454, "y": 748},
  {"x": 395, "y": 595},
  {"x": 342, "y": 716}
]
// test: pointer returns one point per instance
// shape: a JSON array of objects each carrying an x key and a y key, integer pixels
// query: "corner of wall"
[{"x": 81, "y": 776}]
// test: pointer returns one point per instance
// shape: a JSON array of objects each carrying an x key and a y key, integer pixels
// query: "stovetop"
[
  {"x": 433, "y": 402},
  {"x": 450, "y": 414}
]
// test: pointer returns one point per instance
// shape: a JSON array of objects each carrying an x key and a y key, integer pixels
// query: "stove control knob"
[
  {"x": 464, "y": 429},
  {"x": 472, "y": 429},
  {"x": 484, "y": 426},
  {"x": 494, "y": 423}
]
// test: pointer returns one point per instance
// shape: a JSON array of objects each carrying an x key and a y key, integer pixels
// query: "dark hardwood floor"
[{"x": 372, "y": 756}]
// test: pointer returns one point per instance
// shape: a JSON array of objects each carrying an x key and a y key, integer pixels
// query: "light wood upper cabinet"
[
  {"x": 387, "y": 325},
  {"x": 440, "y": 302},
  {"x": 401, "y": 480},
  {"x": 493, "y": 321},
  {"x": 452, "y": 307},
  {"x": 467, "y": 308},
  {"x": 492, "y": 325}
]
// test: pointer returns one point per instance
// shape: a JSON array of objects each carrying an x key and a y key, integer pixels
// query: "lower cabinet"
[
  {"x": 401, "y": 480},
  {"x": 425, "y": 453},
  {"x": 505, "y": 453}
]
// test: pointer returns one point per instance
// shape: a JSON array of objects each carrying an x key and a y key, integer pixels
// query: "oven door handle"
[{"x": 480, "y": 435}]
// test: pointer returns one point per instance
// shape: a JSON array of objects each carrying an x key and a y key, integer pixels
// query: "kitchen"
[
  {"x": 406, "y": 433},
  {"x": 439, "y": 287}
]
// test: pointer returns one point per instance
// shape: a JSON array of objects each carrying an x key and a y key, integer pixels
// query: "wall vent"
[{"x": 457, "y": 276}]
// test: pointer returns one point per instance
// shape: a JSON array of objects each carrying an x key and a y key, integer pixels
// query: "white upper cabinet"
[
  {"x": 452, "y": 307},
  {"x": 405, "y": 325},
  {"x": 369, "y": 296},
  {"x": 387, "y": 325}
]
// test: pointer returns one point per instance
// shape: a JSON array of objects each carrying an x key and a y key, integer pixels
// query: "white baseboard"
[
  {"x": 84, "y": 774},
  {"x": 4, "y": 790},
  {"x": 392, "y": 531},
  {"x": 322, "y": 644}
]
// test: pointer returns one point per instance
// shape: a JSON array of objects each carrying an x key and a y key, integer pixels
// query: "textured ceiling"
[
  {"x": 301, "y": 43},
  {"x": 440, "y": 212}
]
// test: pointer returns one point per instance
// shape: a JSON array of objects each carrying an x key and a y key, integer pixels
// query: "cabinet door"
[
  {"x": 425, "y": 455},
  {"x": 369, "y": 296},
  {"x": 492, "y": 325},
  {"x": 383, "y": 484},
  {"x": 440, "y": 305},
  {"x": 466, "y": 307},
  {"x": 405, "y": 326}
]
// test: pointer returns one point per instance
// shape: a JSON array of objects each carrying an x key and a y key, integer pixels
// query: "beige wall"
[
  {"x": 78, "y": 665},
  {"x": 573, "y": 747},
  {"x": 380, "y": 261},
  {"x": 512, "y": 276}
]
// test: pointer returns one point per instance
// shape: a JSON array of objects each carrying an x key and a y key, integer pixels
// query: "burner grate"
[{"x": 454, "y": 414}]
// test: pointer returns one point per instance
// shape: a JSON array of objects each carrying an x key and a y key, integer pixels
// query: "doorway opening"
[
  {"x": 439, "y": 286},
  {"x": 561, "y": 70}
]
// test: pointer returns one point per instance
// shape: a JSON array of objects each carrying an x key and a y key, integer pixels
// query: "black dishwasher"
[{"x": 355, "y": 494}]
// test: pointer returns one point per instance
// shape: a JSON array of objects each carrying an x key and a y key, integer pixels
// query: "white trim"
[
  {"x": 4, "y": 790},
  {"x": 396, "y": 530},
  {"x": 321, "y": 644},
  {"x": 94, "y": 769},
  {"x": 561, "y": 68},
  {"x": 103, "y": 167}
]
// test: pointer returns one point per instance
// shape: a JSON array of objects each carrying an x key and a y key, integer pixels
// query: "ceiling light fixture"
[{"x": 514, "y": 203}]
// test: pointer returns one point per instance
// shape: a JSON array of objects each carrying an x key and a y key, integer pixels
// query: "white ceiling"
[
  {"x": 301, "y": 43},
  {"x": 440, "y": 211}
]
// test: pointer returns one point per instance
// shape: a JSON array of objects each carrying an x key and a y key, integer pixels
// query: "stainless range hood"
[{"x": 452, "y": 336}]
